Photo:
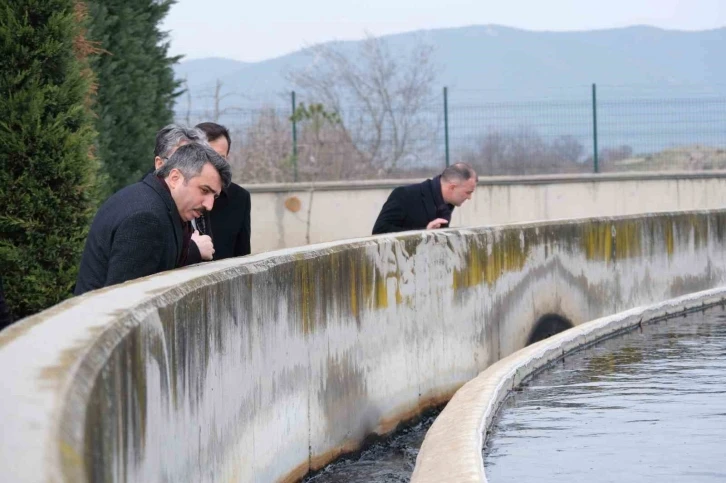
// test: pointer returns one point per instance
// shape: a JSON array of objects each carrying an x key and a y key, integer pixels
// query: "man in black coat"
[
  {"x": 139, "y": 230},
  {"x": 229, "y": 222},
  {"x": 428, "y": 205},
  {"x": 168, "y": 140}
]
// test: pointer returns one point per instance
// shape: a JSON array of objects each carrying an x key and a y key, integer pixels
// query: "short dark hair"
[
  {"x": 190, "y": 159},
  {"x": 215, "y": 131},
  {"x": 458, "y": 172}
]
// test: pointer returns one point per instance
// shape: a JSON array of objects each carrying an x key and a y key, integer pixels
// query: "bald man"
[{"x": 427, "y": 205}]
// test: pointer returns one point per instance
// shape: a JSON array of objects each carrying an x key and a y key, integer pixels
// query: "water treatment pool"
[{"x": 649, "y": 405}]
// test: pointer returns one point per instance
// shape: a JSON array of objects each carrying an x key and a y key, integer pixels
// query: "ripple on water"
[{"x": 649, "y": 405}]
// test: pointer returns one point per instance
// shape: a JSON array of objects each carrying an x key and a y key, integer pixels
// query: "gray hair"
[
  {"x": 456, "y": 173},
  {"x": 189, "y": 159},
  {"x": 170, "y": 137}
]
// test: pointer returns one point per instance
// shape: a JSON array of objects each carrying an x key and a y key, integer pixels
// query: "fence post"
[
  {"x": 446, "y": 123},
  {"x": 294, "y": 140},
  {"x": 595, "y": 166}
]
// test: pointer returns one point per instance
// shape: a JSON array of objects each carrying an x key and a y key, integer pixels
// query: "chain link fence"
[{"x": 570, "y": 130}]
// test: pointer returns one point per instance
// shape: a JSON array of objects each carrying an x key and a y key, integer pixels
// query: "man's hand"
[
  {"x": 204, "y": 244},
  {"x": 437, "y": 223}
]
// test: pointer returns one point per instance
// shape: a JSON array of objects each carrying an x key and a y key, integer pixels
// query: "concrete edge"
[
  {"x": 116, "y": 310},
  {"x": 164, "y": 283},
  {"x": 452, "y": 448},
  {"x": 487, "y": 181}
]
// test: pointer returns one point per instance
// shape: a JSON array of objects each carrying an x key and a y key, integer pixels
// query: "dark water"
[
  {"x": 388, "y": 461},
  {"x": 646, "y": 406}
]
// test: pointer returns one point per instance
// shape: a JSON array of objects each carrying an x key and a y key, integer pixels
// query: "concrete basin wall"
[
  {"x": 295, "y": 214},
  {"x": 452, "y": 448},
  {"x": 263, "y": 368}
]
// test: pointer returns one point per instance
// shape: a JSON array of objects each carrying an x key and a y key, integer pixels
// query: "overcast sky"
[{"x": 262, "y": 29}]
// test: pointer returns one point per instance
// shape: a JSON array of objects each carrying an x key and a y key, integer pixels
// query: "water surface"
[
  {"x": 388, "y": 461},
  {"x": 647, "y": 406}
]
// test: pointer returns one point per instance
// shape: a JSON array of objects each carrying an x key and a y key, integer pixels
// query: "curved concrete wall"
[
  {"x": 453, "y": 446},
  {"x": 289, "y": 215},
  {"x": 261, "y": 368}
]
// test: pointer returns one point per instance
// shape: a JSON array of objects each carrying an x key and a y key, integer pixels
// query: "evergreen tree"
[
  {"x": 136, "y": 86},
  {"x": 46, "y": 164}
]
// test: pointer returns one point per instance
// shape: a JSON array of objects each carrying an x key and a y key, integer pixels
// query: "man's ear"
[
  {"x": 175, "y": 178},
  {"x": 158, "y": 162}
]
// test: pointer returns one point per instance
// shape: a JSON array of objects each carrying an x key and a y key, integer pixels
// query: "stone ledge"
[{"x": 487, "y": 181}]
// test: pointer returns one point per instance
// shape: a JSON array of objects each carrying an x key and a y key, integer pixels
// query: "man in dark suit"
[
  {"x": 427, "y": 205},
  {"x": 168, "y": 140},
  {"x": 140, "y": 230},
  {"x": 229, "y": 222}
]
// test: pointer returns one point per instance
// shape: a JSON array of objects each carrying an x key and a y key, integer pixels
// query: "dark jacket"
[
  {"x": 412, "y": 207},
  {"x": 192, "y": 254},
  {"x": 136, "y": 232},
  {"x": 228, "y": 224}
]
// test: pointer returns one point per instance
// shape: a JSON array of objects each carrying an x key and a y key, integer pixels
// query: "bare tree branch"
[{"x": 382, "y": 99}]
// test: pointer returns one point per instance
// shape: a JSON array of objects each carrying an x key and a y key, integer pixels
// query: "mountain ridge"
[{"x": 505, "y": 61}]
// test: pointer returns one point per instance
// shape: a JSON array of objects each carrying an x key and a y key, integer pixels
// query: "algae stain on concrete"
[
  {"x": 341, "y": 394},
  {"x": 628, "y": 236},
  {"x": 487, "y": 257},
  {"x": 626, "y": 239},
  {"x": 613, "y": 240},
  {"x": 116, "y": 414},
  {"x": 700, "y": 230},
  {"x": 597, "y": 241},
  {"x": 304, "y": 285},
  {"x": 336, "y": 285}
]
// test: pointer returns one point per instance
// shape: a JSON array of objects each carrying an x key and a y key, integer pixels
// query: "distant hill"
[
  {"x": 201, "y": 72},
  {"x": 501, "y": 63}
]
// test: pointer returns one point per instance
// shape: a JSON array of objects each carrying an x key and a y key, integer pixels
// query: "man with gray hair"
[
  {"x": 428, "y": 205},
  {"x": 168, "y": 140},
  {"x": 140, "y": 230},
  {"x": 170, "y": 137}
]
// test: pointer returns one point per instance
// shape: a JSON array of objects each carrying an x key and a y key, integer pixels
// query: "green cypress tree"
[
  {"x": 46, "y": 166},
  {"x": 136, "y": 86}
]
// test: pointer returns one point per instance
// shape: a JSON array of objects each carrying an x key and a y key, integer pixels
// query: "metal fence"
[{"x": 569, "y": 130}]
